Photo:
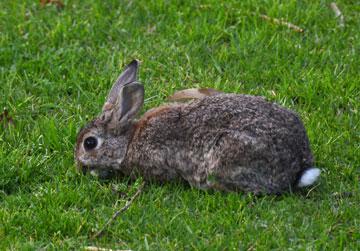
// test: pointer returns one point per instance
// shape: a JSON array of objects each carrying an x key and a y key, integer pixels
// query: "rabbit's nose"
[
  {"x": 84, "y": 170},
  {"x": 81, "y": 168}
]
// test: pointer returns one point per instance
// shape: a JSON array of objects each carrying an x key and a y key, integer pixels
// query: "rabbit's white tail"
[{"x": 309, "y": 176}]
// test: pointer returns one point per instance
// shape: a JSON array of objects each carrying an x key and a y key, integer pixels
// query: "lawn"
[{"x": 58, "y": 63}]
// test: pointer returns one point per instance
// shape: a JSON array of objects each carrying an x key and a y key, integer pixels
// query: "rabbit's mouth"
[{"x": 99, "y": 173}]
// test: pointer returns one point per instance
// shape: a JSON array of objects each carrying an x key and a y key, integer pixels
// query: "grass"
[{"x": 56, "y": 66}]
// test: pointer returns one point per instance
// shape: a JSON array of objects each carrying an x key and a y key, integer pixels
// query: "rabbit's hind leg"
[{"x": 248, "y": 180}]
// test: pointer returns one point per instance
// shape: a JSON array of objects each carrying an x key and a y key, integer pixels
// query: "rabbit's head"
[{"x": 102, "y": 144}]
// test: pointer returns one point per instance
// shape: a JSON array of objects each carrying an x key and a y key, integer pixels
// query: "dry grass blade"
[
  {"x": 117, "y": 213},
  {"x": 59, "y": 4},
  {"x": 282, "y": 22},
  {"x": 6, "y": 118},
  {"x": 151, "y": 29},
  {"x": 338, "y": 14},
  {"x": 93, "y": 248}
]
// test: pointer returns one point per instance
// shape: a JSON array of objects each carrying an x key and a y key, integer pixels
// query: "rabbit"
[{"x": 227, "y": 142}]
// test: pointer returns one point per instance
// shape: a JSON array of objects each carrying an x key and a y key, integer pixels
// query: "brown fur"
[
  {"x": 194, "y": 93},
  {"x": 232, "y": 142}
]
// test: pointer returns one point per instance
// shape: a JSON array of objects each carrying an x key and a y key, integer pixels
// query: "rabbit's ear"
[
  {"x": 129, "y": 75},
  {"x": 128, "y": 104}
]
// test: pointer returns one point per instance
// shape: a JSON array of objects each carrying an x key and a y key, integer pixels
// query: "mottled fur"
[{"x": 229, "y": 142}]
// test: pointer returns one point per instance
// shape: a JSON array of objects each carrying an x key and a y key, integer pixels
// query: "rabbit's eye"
[{"x": 90, "y": 143}]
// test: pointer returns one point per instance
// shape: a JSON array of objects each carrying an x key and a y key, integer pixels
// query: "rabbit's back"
[{"x": 227, "y": 141}]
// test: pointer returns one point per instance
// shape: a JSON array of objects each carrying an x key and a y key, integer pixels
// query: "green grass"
[{"x": 56, "y": 67}]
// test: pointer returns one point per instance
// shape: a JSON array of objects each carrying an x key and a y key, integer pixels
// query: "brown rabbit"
[{"x": 229, "y": 142}]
